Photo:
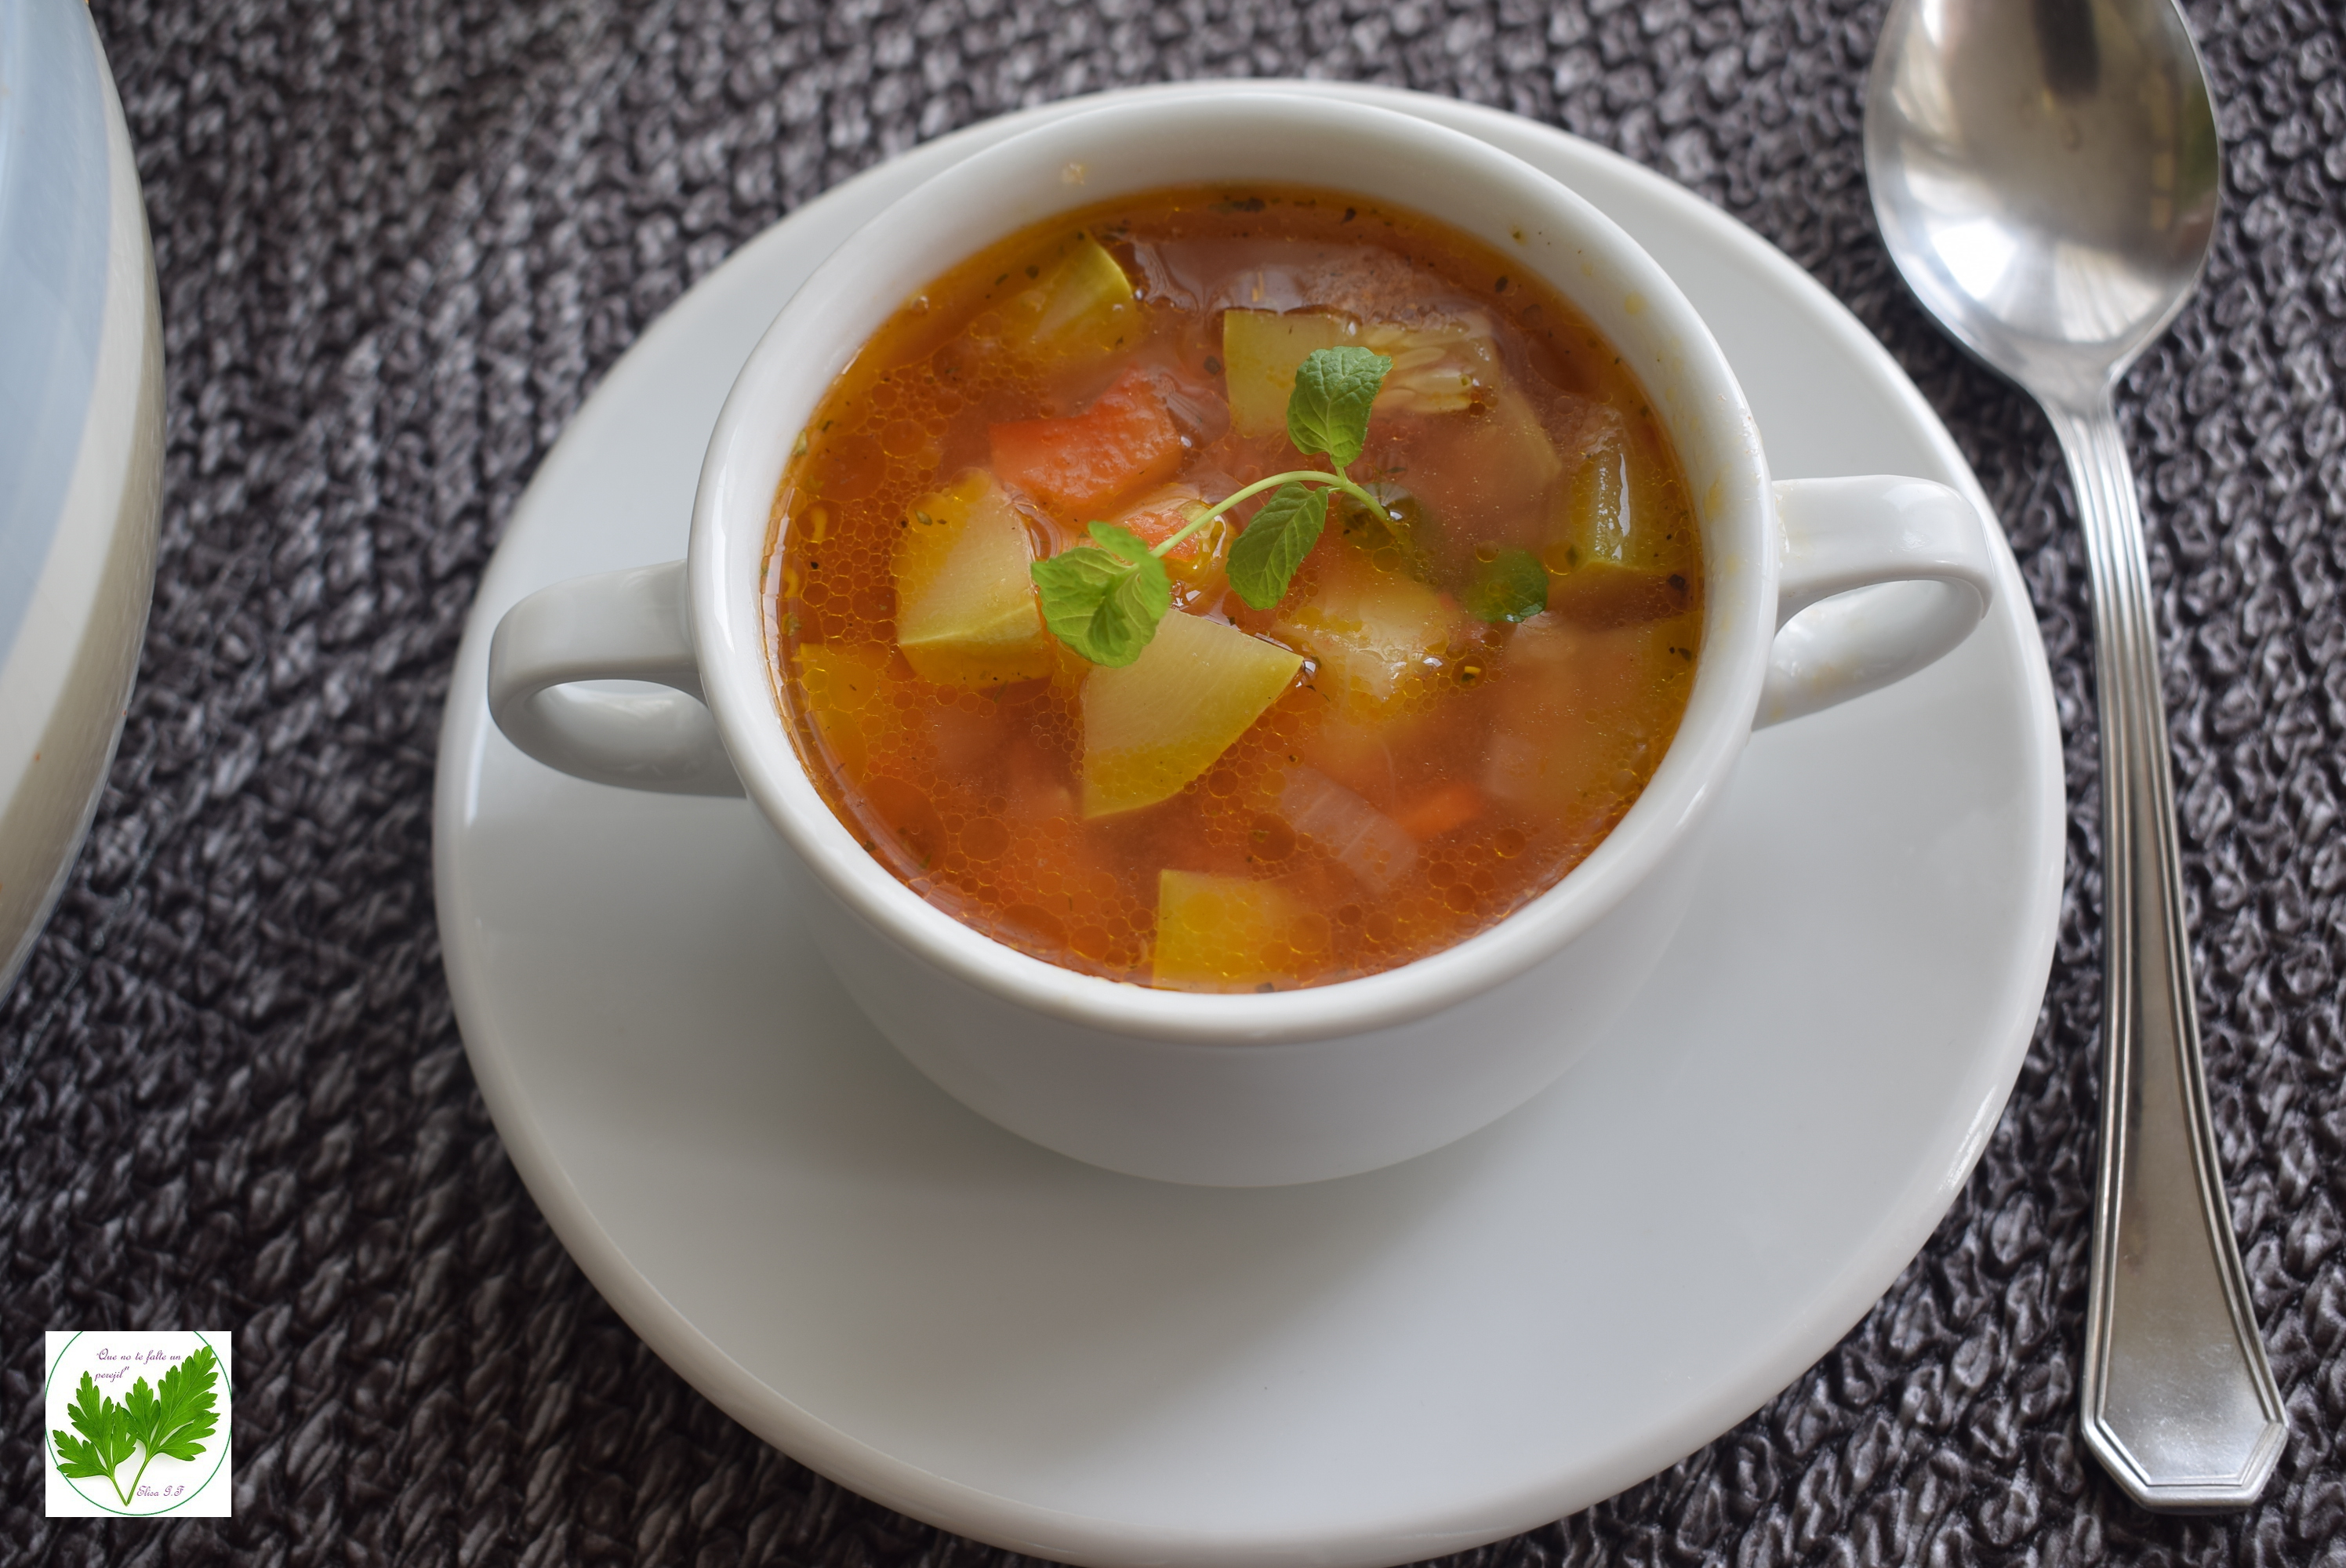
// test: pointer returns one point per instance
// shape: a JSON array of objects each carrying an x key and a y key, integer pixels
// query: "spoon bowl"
[
  {"x": 2046, "y": 183},
  {"x": 2046, "y": 176}
]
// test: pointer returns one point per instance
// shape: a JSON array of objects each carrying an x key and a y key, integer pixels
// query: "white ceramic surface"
[
  {"x": 1247, "y": 1088},
  {"x": 1386, "y": 1368},
  {"x": 81, "y": 446}
]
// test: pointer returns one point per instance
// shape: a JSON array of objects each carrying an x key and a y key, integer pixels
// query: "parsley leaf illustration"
[
  {"x": 173, "y": 1421},
  {"x": 106, "y": 1438},
  {"x": 78, "y": 1459},
  {"x": 182, "y": 1414},
  {"x": 139, "y": 1411},
  {"x": 1277, "y": 538}
]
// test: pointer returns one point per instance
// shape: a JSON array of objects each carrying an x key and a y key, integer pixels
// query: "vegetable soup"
[{"x": 1233, "y": 590}]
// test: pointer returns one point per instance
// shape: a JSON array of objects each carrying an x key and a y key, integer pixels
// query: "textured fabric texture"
[{"x": 400, "y": 241}]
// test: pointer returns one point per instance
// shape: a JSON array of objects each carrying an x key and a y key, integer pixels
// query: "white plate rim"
[{"x": 1009, "y": 1521}]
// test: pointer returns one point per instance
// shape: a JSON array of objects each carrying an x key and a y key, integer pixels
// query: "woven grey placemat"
[{"x": 400, "y": 241}]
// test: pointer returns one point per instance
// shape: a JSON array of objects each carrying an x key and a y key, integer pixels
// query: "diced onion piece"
[
  {"x": 1153, "y": 725},
  {"x": 1081, "y": 308},
  {"x": 966, "y": 610},
  {"x": 1437, "y": 366},
  {"x": 1079, "y": 465},
  {"x": 1261, "y": 351},
  {"x": 1363, "y": 840},
  {"x": 1228, "y": 933},
  {"x": 1372, "y": 634}
]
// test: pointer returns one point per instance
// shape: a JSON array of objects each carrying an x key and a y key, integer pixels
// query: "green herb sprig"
[
  {"x": 1103, "y": 599},
  {"x": 172, "y": 1419}
]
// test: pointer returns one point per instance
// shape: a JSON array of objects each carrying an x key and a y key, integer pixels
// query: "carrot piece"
[
  {"x": 1159, "y": 514},
  {"x": 1450, "y": 806},
  {"x": 1076, "y": 464},
  {"x": 1196, "y": 561}
]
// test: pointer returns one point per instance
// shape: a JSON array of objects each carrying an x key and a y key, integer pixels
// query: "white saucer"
[{"x": 1098, "y": 1369}]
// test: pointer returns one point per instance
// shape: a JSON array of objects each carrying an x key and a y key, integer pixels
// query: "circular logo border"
[{"x": 49, "y": 1442}]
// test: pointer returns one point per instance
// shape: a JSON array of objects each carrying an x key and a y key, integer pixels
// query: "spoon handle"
[{"x": 2177, "y": 1401}]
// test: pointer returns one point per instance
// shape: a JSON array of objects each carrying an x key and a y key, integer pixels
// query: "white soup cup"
[{"x": 1294, "y": 1086}]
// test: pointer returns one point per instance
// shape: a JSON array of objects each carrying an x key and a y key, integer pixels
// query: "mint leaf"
[
  {"x": 1280, "y": 533},
  {"x": 182, "y": 1415},
  {"x": 1328, "y": 410},
  {"x": 1510, "y": 587},
  {"x": 1104, "y": 600}
]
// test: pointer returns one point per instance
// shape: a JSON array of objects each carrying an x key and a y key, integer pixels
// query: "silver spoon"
[{"x": 2045, "y": 172}]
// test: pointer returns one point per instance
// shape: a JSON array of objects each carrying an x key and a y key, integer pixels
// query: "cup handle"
[
  {"x": 1879, "y": 576},
  {"x": 614, "y": 625}
]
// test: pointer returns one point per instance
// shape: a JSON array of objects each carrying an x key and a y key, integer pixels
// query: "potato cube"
[
  {"x": 1229, "y": 933},
  {"x": 1261, "y": 351},
  {"x": 1153, "y": 725},
  {"x": 1080, "y": 309},
  {"x": 965, "y": 608},
  {"x": 1372, "y": 634}
]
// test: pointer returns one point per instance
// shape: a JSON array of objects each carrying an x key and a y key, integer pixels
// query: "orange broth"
[{"x": 1423, "y": 773}]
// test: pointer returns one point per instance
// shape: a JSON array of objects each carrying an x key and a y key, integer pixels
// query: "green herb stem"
[
  {"x": 1307, "y": 475},
  {"x": 1105, "y": 599},
  {"x": 130, "y": 1497}
]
